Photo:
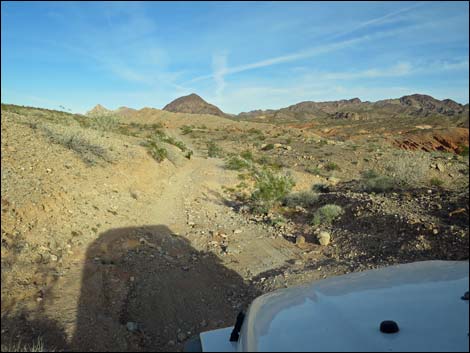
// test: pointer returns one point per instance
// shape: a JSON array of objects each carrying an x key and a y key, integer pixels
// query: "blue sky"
[{"x": 238, "y": 55}]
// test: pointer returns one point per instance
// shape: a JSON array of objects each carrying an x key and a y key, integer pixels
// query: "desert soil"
[{"x": 127, "y": 254}]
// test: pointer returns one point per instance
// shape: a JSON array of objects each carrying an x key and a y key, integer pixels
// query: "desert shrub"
[
  {"x": 370, "y": 174},
  {"x": 236, "y": 163},
  {"x": 436, "y": 181},
  {"x": 103, "y": 122},
  {"x": 463, "y": 150},
  {"x": 277, "y": 221},
  {"x": 158, "y": 153},
  {"x": 408, "y": 169},
  {"x": 36, "y": 346},
  {"x": 86, "y": 150},
  {"x": 314, "y": 170},
  {"x": 330, "y": 166},
  {"x": 213, "y": 150},
  {"x": 268, "y": 147},
  {"x": 172, "y": 141},
  {"x": 320, "y": 187},
  {"x": 263, "y": 160},
  {"x": 327, "y": 214},
  {"x": 269, "y": 188},
  {"x": 381, "y": 183},
  {"x": 302, "y": 198},
  {"x": 185, "y": 129},
  {"x": 189, "y": 154},
  {"x": 255, "y": 131},
  {"x": 248, "y": 155}
]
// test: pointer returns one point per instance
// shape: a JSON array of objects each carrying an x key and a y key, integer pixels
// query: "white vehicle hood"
[{"x": 344, "y": 313}]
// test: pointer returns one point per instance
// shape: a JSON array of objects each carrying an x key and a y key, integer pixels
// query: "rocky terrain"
[
  {"x": 133, "y": 230},
  {"x": 416, "y": 105}
]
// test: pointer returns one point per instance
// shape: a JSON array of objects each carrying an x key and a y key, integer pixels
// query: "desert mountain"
[
  {"x": 193, "y": 104},
  {"x": 416, "y": 105},
  {"x": 98, "y": 110}
]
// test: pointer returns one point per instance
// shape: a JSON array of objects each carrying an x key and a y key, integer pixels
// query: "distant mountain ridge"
[
  {"x": 415, "y": 105},
  {"x": 99, "y": 110},
  {"x": 193, "y": 104}
]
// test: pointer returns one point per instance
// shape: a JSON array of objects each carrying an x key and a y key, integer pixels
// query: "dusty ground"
[{"x": 105, "y": 249}]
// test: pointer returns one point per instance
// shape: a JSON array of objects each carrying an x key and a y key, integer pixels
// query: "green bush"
[
  {"x": 270, "y": 188},
  {"x": 314, "y": 170},
  {"x": 236, "y": 163},
  {"x": 327, "y": 214},
  {"x": 248, "y": 155},
  {"x": 304, "y": 199},
  {"x": 436, "y": 181},
  {"x": 381, "y": 183},
  {"x": 188, "y": 154},
  {"x": 320, "y": 187},
  {"x": 268, "y": 147},
  {"x": 408, "y": 169},
  {"x": 330, "y": 166},
  {"x": 103, "y": 122},
  {"x": 172, "y": 141},
  {"x": 370, "y": 174},
  {"x": 158, "y": 153},
  {"x": 213, "y": 150},
  {"x": 463, "y": 150},
  {"x": 185, "y": 129}
]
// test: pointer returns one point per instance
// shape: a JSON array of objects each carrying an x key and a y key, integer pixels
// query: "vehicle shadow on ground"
[{"x": 146, "y": 289}]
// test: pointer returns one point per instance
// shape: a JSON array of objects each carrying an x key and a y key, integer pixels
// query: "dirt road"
[{"x": 169, "y": 262}]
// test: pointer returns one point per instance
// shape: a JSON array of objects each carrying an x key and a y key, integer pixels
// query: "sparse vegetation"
[
  {"x": 213, "y": 150},
  {"x": 434, "y": 181},
  {"x": 327, "y": 214},
  {"x": 330, "y": 166},
  {"x": 37, "y": 346},
  {"x": 269, "y": 188},
  {"x": 303, "y": 199},
  {"x": 374, "y": 182},
  {"x": 158, "y": 153},
  {"x": 236, "y": 163},
  {"x": 90, "y": 153},
  {"x": 408, "y": 169},
  {"x": 185, "y": 129},
  {"x": 320, "y": 187},
  {"x": 268, "y": 147},
  {"x": 248, "y": 155},
  {"x": 463, "y": 150},
  {"x": 105, "y": 123}
]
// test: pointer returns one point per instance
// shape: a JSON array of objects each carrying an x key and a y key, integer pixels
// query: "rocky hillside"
[
  {"x": 99, "y": 110},
  {"x": 416, "y": 105},
  {"x": 193, "y": 104}
]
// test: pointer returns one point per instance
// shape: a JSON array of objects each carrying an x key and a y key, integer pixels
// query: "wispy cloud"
[
  {"x": 218, "y": 75},
  {"x": 219, "y": 65},
  {"x": 377, "y": 21},
  {"x": 400, "y": 69}
]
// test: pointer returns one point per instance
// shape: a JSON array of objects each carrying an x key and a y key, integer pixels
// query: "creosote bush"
[
  {"x": 269, "y": 188},
  {"x": 236, "y": 163},
  {"x": 158, "y": 153},
  {"x": 327, "y": 214},
  {"x": 213, "y": 150},
  {"x": 303, "y": 199}
]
